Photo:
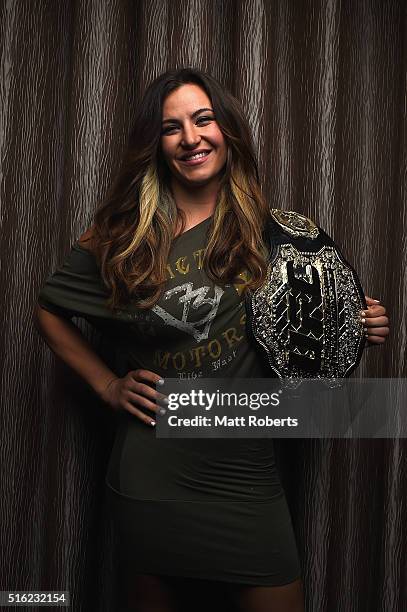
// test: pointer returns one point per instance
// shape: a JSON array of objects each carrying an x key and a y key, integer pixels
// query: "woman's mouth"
[{"x": 196, "y": 160}]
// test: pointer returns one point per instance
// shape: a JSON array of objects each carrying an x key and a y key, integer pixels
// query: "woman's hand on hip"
[{"x": 134, "y": 393}]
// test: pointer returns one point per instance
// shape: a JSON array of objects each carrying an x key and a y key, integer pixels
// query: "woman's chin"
[{"x": 192, "y": 181}]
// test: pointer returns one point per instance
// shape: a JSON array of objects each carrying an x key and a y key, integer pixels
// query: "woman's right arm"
[{"x": 66, "y": 340}]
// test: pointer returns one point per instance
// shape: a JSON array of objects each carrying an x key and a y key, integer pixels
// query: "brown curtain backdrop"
[{"x": 323, "y": 84}]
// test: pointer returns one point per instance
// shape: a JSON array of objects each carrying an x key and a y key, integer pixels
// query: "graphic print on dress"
[{"x": 192, "y": 298}]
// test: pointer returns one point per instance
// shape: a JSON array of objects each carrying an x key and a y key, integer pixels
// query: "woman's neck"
[{"x": 198, "y": 202}]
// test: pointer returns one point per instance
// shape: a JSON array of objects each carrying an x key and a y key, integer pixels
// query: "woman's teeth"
[{"x": 196, "y": 156}]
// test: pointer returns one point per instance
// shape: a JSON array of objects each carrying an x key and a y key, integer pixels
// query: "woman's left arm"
[{"x": 375, "y": 322}]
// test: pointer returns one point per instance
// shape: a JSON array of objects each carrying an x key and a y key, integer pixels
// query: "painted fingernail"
[
  {"x": 160, "y": 381},
  {"x": 166, "y": 400},
  {"x": 378, "y": 301},
  {"x": 162, "y": 411},
  {"x": 152, "y": 423},
  {"x": 363, "y": 313},
  {"x": 363, "y": 320}
]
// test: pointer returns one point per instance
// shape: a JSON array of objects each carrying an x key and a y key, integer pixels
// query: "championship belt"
[{"x": 306, "y": 316}]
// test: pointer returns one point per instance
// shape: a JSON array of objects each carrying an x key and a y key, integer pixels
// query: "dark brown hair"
[{"x": 134, "y": 227}]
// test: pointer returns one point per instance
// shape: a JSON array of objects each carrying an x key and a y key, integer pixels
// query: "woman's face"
[{"x": 189, "y": 126}]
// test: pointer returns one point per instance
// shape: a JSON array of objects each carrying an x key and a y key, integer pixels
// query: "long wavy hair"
[{"x": 134, "y": 226}]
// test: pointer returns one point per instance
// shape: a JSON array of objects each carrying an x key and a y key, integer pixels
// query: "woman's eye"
[
  {"x": 205, "y": 119},
  {"x": 169, "y": 129},
  {"x": 174, "y": 127}
]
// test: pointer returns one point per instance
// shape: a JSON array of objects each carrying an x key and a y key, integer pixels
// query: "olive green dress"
[{"x": 201, "y": 508}]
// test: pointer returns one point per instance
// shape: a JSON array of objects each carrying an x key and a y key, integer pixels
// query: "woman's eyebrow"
[{"x": 194, "y": 114}]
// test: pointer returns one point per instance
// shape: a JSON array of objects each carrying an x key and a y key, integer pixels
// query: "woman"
[{"x": 162, "y": 272}]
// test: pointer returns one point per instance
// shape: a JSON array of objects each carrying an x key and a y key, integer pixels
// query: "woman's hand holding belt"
[{"x": 375, "y": 322}]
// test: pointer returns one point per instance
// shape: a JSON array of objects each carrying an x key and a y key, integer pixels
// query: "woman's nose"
[{"x": 190, "y": 135}]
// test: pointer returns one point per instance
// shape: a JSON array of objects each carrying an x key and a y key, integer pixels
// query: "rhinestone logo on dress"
[{"x": 191, "y": 299}]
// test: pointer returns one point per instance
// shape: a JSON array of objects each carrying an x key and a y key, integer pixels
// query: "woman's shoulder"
[{"x": 88, "y": 239}]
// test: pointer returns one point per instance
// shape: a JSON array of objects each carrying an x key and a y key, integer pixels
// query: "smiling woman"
[
  {"x": 195, "y": 151},
  {"x": 193, "y": 145},
  {"x": 174, "y": 249}
]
